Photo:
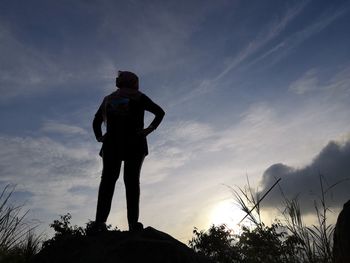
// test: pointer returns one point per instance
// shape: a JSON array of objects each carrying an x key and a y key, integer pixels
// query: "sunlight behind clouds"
[{"x": 226, "y": 212}]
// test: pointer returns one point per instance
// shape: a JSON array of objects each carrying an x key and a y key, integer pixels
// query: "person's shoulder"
[
  {"x": 145, "y": 97},
  {"x": 114, "y": 93},
  {"x": 109, "y": 96}
]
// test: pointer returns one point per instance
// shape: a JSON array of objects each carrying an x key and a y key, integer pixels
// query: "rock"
[
  {"x": 148, "y": 245},
  {"x": 341, "y": 247}
]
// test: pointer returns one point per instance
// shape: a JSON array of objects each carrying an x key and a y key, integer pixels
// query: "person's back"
[{"x": 125, "y": 140}]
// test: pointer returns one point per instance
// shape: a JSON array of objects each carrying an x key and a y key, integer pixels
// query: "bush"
[
  {"x": 64, "y": 229},
  {"x": 267, "y": 244},
  {"x": 217, "y": 244},
  {"x": 259, "y": 245},
  {"x": 289, "y": 242}
]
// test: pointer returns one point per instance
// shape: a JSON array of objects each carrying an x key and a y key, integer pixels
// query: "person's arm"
[
  {"x": 97, "y": 122},
  {"x": 158, "y": 114}
]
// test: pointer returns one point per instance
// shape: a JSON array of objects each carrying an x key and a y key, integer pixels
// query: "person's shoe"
[
  {"x": 136, "y": 227},
  {"x": 95, "y": 228}
]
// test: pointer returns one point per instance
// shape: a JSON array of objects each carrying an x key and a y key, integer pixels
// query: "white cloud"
[
  {"x": 190, "y": 131},
  {"x": 308, "y": 82},
  {"x": 177, "y": 143},
  {"x": 340, "y": 83},
  {"x": 62, "y": 128},
  {"x": 45, "y": 167},
  {"x": 337, "y": 85},
  {"x": 262, "y": 135}
]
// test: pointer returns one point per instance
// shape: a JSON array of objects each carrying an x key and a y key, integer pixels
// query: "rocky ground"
[{"x": 148, "y": 245}]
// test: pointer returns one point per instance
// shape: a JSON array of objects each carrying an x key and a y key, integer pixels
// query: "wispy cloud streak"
[
  {"x": 62, "y": 128},
  {"x": 263, "y": 38},
  {"x": 282, "y": 49}
]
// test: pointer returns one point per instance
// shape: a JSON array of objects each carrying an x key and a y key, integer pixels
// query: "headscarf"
[
  {"x": 128, "y": 87},
  {"x": 127, "y": 79}
]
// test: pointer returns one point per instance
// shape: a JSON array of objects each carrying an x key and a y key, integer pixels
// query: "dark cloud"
[{"x": 332, "y": 164}]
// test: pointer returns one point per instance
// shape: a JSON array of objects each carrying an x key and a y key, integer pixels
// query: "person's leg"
[
  {"x": 132, "y": 169},
  {"x": 110, "y": 174}
]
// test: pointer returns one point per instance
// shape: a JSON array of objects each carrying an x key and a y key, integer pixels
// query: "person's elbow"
[
  {"x": 162, "y": 113},
  {"x": 95, "y": 123}
]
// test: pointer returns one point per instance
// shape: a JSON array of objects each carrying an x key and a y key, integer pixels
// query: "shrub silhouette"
[
  {"x": 290, "y": 241},
  {"x": 261, "y": 244},
  {"x": 217, "y": 244},
  {"x": 64, "y": 229}
]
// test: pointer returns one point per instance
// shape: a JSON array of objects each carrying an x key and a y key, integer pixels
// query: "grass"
[
  {"x": 313, "y": 243},
  {"x": 18, "y": 243}
]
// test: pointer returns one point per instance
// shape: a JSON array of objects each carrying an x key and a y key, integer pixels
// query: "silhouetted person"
[{"x": 125, "y": 140}]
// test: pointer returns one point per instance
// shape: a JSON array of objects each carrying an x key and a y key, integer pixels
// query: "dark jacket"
[{"x": 125, "y": 120}]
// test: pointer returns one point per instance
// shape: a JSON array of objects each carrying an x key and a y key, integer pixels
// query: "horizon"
[{"x": 257, "y": 90}]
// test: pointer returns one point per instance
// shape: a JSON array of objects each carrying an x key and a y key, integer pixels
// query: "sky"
[{"x": 251, "y": 89}]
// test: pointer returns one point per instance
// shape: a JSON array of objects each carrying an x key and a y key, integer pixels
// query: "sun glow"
[{"x": 226, "y": 212}]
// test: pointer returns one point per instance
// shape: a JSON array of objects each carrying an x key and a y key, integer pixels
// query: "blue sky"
[{"x": 245, "y": 85}]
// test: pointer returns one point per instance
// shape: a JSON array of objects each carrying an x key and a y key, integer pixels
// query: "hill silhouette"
[{"x": 148, "y": 245}]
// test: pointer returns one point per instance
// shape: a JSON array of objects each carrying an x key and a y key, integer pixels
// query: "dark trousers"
[{"x": 110, "y": 175}]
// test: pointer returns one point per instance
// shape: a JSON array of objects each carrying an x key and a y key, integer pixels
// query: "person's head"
[{"x": 127, "y": 79}]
